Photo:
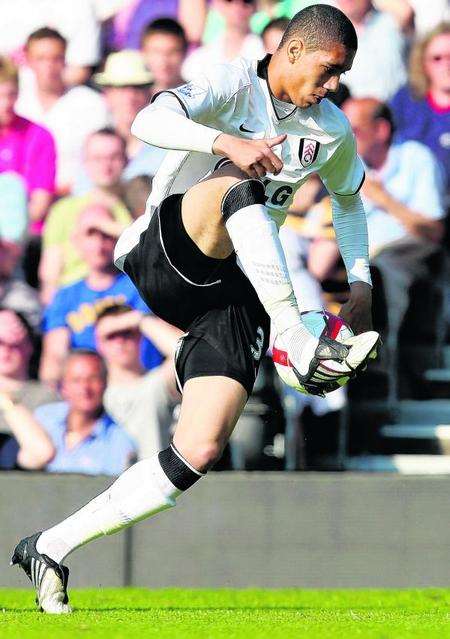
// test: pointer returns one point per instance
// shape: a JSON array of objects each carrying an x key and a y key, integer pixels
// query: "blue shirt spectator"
[
  {"x": 76, "y": 307},
  {"x": 69, "y": 319},
  {"x": 106, "y": 450}
]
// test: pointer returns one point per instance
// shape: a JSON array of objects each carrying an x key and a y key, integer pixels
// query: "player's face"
[
  {"x": 8, "y": 97},
  {"x": 104, "y": 160},
  {"x": 46, "y": 58},
  {"x": 437, "y": 62},
  {"x": 84, "y": 384},
  {"x": 311, "y": 75},
  {"x": 164, "y": 55}
]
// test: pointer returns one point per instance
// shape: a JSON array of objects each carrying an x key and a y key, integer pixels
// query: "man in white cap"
[{"x": 125, "y": 83}]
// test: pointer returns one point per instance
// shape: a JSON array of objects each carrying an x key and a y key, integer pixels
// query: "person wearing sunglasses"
[{"x": 421, "y": 108}]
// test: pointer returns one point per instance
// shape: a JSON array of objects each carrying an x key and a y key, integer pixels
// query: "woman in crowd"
[{"x": 421, "y": 109}]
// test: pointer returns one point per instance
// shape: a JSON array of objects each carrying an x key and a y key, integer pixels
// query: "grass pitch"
[{"x": 233, "y": 614}]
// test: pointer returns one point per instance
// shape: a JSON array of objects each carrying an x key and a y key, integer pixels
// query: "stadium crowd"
[{"x": 86, "y": 380}]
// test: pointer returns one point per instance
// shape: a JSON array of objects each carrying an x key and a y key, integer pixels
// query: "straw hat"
[{"x": 122, "y": 69}]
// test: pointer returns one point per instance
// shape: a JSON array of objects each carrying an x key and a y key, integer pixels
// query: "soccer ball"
[{"x": 330, "y": 374}]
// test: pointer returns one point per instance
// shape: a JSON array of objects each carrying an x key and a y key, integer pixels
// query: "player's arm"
[
  {"x": 343, "y": 177},
  {"x": 170, "y": 124},
  {"x": 350, "y": 225}
]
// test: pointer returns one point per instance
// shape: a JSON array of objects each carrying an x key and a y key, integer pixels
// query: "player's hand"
[
  {"x": 254, "y": 157},
  {"x": 357, "y": 311}
]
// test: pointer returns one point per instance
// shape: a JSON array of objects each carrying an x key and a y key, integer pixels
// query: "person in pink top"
[{"x": 26, "y": 149}]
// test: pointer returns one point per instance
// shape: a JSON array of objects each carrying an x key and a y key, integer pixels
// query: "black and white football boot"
[{"x": 48, "y": 577}]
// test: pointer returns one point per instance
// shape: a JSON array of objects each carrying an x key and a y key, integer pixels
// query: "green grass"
[{"x": 233, "y": 614}]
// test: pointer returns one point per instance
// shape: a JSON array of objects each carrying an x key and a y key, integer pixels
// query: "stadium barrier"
[{"x": 311, "y": 530}]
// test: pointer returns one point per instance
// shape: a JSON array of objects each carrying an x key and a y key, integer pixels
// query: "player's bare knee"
[
  {"x": 240, "y": 195},
  {"x": 202, "y": 456}
]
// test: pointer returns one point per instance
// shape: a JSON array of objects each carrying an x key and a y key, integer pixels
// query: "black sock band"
[
  {"x": 177, "y": 469},
  {"x": 240, "y": 195}
]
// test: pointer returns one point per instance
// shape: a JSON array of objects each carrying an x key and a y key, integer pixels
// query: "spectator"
[
  {"x": 125, "y": 83},
  {"x": 272, "y": 33},
  {"x": 421, "y": 109},
  {"x": 236, "y": 40},
  {"x": 164, "y": 47},
  {"x": 28, "y": 447},
  {"x": 25, "y": 148},
  {"x": 191, "y": 13},
  {"x": 141, "y": 401},
  {"x": 22, "y": 442},
  {"x": 70, "y": 318},
  {"x": 76, "y": 21},
  {"x": 135, "y": 194},
  {"x": 84, "y": 436},
  {"x": 378, "y": 69},
  {"x": 104, "y": 160},
  {"x": 70, "y": 114},
  {"x": 15, "y": 293},
  {"x": 403, "y": 199}
]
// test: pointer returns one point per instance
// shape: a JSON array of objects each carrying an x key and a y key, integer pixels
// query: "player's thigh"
[
  {"x": 210, "y": 408},
  {"x": 202, "y": 214}
]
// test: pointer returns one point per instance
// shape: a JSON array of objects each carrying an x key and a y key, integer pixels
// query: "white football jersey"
[{"x": 235, "y": 98}]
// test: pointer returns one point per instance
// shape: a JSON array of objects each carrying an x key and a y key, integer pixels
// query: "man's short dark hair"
[
  {"x": 113, "y": 311},
  {"x": 45, "y": 33},
  {"x": 319, "y": 26},
  {"x": 166, "y": 26},
  {"x": 109, "y": 131}
]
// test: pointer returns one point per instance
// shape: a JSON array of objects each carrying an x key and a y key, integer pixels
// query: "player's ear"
[{"x": 295, "y": 48}]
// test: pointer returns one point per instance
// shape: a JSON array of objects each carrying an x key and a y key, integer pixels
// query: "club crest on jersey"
[{"x": 308, "y": 151}]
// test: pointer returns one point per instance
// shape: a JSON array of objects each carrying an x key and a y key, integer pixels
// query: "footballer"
[{"x": 207, "y": 258}]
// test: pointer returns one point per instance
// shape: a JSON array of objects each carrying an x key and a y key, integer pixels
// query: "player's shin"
[
  {"x": 148, "y": 487},
  {"x": 256, "y": 241}
]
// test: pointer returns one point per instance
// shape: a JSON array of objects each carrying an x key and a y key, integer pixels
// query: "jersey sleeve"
[
  {"x": 207, "y": 94},
  {"x": 343, "y": 174}
]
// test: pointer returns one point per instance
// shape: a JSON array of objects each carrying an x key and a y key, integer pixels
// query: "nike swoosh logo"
[{"x": 244, "y": 130}]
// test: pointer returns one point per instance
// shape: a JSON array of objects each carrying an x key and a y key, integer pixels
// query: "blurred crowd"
[{"x": 86, "y": 380}]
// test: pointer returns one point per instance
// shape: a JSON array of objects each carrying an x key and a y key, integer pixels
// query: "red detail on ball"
[{"x": 280, "y": 357}]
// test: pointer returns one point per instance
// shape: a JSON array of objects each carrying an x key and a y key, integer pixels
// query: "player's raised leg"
[
  {"x": 210, "y": 409},
  {"x": 227, "y": 211}
]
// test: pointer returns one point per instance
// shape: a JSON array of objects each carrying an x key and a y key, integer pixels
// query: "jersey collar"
[{"x": 281, "y": 109}]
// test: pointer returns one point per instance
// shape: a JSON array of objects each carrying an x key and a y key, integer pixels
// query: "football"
[{"x": 330, "y": 374}]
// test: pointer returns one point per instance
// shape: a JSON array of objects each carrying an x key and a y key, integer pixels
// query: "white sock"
[
  {"x": 257, "y": 244},
  {"x": 141, "y": 491}
]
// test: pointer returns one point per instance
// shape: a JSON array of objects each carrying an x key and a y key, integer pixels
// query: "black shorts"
[{"x": 209, "y": 299}]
